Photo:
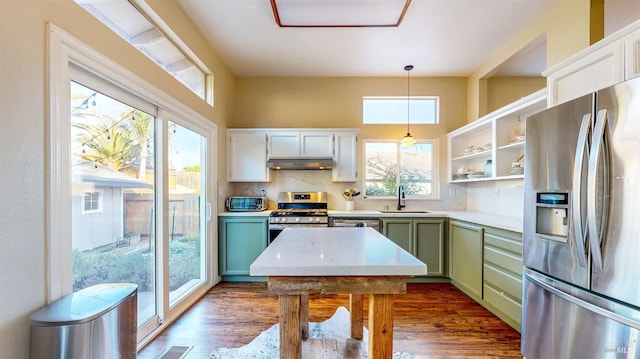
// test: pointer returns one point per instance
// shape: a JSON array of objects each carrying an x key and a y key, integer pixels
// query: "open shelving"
[{"x": 492, "y": 134}]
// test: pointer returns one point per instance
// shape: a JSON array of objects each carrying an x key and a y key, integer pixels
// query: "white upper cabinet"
[
  {"x": 247, "y": 156},
  {"x": 345, "y": 157},
  {"x": 593, "y": 71},
  {"x": 632, "y": 54},
  {"x": 298, "y": 144},
  {"x": 316, "y": 144},
  {"x": 284, "y": 144},
  {"x": 248, "y": 151},
  {"x": 609, "y": 61}
]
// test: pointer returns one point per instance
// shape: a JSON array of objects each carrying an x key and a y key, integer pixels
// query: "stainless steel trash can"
[{"x": 95, "y": 322}]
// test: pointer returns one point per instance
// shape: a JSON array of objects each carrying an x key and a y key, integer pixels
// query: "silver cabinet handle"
[{"x": 579, "y": 221}]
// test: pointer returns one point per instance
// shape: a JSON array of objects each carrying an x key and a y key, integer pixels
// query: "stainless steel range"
[{"x": 298, "y": 209}]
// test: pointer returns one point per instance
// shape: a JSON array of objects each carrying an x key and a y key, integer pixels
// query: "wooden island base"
[{"x": 293, "y": 293}]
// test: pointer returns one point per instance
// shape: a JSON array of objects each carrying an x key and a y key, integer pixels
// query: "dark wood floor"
[{"x": 431, "y": 321}]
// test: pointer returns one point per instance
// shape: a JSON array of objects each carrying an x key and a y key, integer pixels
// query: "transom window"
[
  {"x": 388, "y": 165},
  {"x": 378, "y": 110},
  {"x": 158, "y": 43}
]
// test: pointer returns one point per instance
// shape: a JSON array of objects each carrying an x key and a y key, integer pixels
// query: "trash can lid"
[{"x": 84, "y": 305}]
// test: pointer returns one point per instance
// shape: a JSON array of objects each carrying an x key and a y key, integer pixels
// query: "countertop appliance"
[
  {"x": 247, "y": 204},
  {"x": 298, "y": 209},
  {"x": 581, "y": 236}
]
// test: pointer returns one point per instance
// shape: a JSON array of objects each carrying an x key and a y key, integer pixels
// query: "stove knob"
[
  {"x": 318, "y": 219},
  {"x": 297, "y": 219}
]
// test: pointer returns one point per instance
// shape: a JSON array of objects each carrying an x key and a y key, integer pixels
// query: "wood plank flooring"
[{"x": 431, "y": 321}]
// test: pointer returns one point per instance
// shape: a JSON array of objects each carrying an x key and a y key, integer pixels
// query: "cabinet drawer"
[
  {"x": 503, "y": 303},
  {"x": 504, "y": 259},
  {"x": 503, "y": 281},
  {"x": 508, "y": 244}
]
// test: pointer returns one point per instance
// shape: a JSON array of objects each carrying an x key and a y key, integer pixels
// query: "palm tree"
[
  {"x": 110, "y": 144},
  {"x": 115, "y": 144}
]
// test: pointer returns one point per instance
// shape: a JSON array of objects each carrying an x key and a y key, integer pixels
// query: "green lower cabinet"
[
  {"x": 241, "y": 241},
  {"x": 423, "y": 238},
  {"x": 465, "y": 257},
  {"x": 502, "y": 270}
]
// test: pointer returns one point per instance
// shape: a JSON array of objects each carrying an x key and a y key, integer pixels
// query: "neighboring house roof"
[{"x": 104, "y": 176}]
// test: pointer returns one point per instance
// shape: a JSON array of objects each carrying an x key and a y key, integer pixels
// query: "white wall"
[
  {"x": 500, "y": 197},
  {"x": 23, "y": 133}
]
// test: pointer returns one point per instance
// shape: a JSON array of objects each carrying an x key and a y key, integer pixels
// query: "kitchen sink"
[{"x": 397, "y": 211}]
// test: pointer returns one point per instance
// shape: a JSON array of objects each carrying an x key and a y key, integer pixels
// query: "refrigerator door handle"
[
  {"x": 540, "y": 281},
  {"x": 579, "y": 224},
  {"x": 599, "y": 146}
]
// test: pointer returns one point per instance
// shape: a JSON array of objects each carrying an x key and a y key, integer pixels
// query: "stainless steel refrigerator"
[{"x": 581, "y": 237}]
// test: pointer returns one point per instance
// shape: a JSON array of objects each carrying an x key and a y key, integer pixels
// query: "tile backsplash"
[
  {"x": 452, "y": 197},
  {"x": 499, "y": 197}
]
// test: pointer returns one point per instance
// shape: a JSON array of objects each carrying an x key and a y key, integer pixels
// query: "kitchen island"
[{"x": 330, "y": 261}]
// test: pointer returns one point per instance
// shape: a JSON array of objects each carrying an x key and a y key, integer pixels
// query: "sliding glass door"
[
  {"x": 113, "y": 195},
  {"x": 188, "y": 210},
  {"x": 139, "y": 209}
]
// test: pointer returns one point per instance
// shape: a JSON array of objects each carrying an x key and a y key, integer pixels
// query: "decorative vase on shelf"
[
  {"x": 487, "y": 169},
  {"x": 350, "y": 205}
]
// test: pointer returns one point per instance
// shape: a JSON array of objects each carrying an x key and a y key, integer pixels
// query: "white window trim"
[
  {"x": 99, "y": 208},
  {"x": 64, "y": 50},
  {"x": 435, "y": 185}
]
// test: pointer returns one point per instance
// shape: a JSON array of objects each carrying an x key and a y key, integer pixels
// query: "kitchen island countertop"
[{"x": 335, "y": 252}]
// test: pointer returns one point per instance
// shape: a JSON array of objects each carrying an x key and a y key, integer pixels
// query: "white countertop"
[
  {"x": 335, "y": 252},
  {"x": 510, "y": 223}
]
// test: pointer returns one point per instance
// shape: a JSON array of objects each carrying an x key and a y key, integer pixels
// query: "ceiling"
[{"x": 438, "y": 37}]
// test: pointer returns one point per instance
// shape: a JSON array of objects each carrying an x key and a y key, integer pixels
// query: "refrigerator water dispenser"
[{"x": 552, "y": 212}]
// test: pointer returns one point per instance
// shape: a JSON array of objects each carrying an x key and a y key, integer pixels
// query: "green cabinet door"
[
  {"x": 241, "y": 240},
  {"x": 465, "y": 258},
  {"x": 422, "y": 237},
  {"x": 400, "y": 231},
  {"x": 430, "y": 245}
]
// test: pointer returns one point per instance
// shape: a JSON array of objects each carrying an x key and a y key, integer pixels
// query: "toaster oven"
[{"x": 247, "y": 204}]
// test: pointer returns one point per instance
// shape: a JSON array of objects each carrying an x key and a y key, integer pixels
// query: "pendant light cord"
[{"x": 408, "y": 69}]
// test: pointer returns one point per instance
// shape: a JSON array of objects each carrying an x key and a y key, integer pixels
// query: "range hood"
[{"x": 300, "y": 163}]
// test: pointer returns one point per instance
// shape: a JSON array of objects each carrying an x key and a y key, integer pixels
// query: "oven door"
[{"x": 274, "y": 230}]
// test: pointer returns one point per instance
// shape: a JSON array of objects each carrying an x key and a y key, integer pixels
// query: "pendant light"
[{"x": 408, "y": 140}]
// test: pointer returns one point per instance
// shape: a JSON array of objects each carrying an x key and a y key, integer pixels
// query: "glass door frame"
[{"x": 64, "y": 50}]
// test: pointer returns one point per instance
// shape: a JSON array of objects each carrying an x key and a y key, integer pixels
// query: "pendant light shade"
[{"x": 408, "y": 140}]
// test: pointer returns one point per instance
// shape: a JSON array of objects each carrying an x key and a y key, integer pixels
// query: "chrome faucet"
[{"x": 401, "y": 203}]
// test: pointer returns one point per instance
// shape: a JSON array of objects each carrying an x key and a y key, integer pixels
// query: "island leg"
[
  {"x": 380, "y": 326},
  {"x": 304, "y": 315},
  {"x": 355, "y": 306},
  {"x": 290, "y": 341}
]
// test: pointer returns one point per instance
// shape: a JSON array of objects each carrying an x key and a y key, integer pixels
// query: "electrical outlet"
[
  {"x": 496, "y": 192},
  {"x": 452, "y": 192},
  {"x": 263, "y": 192}
]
